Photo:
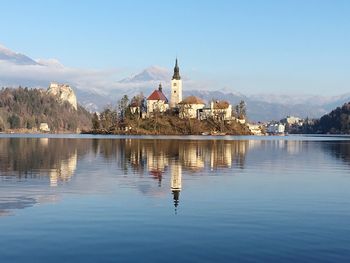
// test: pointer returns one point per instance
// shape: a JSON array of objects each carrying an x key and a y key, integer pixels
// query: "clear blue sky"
[{"x": 253, "y": 46}]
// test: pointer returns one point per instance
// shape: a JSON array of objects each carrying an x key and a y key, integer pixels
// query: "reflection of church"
[
  {"x": 176, "y": 183},
  {"x": 171, "y": 157}
]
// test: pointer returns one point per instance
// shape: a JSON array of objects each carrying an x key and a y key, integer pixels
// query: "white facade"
[
  {"x": 157, "y": 106},
  {"x": 255, "y": 129},
  {"x": 176, "y": 92},
  {"x": 190, "y": 110},
  {"x": 276, "y": 128},
  {"x": 292, "y": 120},
  {"x": 44, "y": 127},
  {"x": 224, "y": 113}
]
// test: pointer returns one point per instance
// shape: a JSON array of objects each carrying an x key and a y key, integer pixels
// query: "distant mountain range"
[
  {"x": 17, "y": 58},
  {"x": 95, "y": 89}
]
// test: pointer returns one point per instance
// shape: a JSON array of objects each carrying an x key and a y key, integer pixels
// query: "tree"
[
  {"x": 95, "y": 121},
  {"x": 123, "y": 106},
  {"x": 14, "y": 121},
  {"x": 2, "y": 124},
  {"x": 241, "y": 110}
]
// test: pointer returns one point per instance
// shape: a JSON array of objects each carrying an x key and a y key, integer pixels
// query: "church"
[
  {"x": 191, "y": 107},
  {"x": 158, "y": 102}
]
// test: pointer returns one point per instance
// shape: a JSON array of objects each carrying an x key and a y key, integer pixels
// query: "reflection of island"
[
  {"x": 55, "y": 161},
  {"x": 193, "y": 156},
  {"x": 162, "y": 158},
  {"x": 29, "y": 158}
]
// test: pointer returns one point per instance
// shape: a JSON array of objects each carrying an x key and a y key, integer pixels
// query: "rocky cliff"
[{"x": 64, "y": 93}]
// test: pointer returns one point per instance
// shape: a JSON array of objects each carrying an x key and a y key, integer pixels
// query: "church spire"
[{"x": 176, "y": 71}]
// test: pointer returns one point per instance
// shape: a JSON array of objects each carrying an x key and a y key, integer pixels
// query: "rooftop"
[
  {"x": 192, "y": 100},
  {"x": 220, "y": 104},
  {"x": 157, "y": 95}
]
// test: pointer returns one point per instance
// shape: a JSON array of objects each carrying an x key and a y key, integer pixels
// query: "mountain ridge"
[{"x": 94, "y": 90}]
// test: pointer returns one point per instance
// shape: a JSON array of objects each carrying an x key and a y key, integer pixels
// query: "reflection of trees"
[
  {"x": 32, "y": 157},
  {"x": 339, "y": 149}
]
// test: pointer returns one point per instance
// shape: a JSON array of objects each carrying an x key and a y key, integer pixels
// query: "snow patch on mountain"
[
  {"x": 17, "y": 58},
  {"x": 153, "y": 73}
]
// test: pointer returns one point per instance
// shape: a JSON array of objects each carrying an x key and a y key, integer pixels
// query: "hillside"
[
  {"x": 335, "y": 122},
  {"x": 24, "y": 108}
]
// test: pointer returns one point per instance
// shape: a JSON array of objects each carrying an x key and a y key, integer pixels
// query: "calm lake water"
[{"x": 174, "y": 199}]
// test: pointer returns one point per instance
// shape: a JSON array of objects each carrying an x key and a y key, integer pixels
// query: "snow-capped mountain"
[
  {"x": 153, "y": 73},
  {"x": 16, "y": 58}
]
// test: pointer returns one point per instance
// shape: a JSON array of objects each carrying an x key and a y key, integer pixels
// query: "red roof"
[{"x": 157, "y": 95}]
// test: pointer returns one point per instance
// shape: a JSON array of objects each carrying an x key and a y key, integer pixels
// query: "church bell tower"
[{"x": 176, "y": 87}]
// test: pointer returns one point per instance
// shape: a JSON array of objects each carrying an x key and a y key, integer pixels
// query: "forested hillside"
[
  {"x": 24, "y": 108},
  {"x": 335, "y": 122}
]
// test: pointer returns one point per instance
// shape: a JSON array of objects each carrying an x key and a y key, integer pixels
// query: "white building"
[
  {"x": 292, "y": 120},
  {"x": 255, "y": 128},
  {"x": 44, "y": 127},
  {"x": 276, "y": 128},
  {"x": 190, "y": 106},
  {"x": 221, "y": 110},
  {"x": 157, "y": 102},
  {"x": 176, "y": 87}
]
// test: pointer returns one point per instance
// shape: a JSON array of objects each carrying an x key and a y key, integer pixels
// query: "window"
[
  {"x": 174, "y": 91},
  {"x": 174, "y": 84}
]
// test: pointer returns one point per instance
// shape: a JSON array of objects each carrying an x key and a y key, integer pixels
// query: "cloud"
[
  {"x": 102, "y": 82},
  {"x": 52, "y": 70}
]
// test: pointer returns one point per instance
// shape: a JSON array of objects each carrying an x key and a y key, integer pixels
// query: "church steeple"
[
  {"x": 176, "y": 71},
  {"x": 176, "y": 87}
]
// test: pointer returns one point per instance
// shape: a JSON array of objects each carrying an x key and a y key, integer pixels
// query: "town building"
[
  {"x": 255, "y": 128},
  {"x": 157, "y": 102},
  {"x": 221, "y": 110},
  {"x": 44, "y": 127},
  {"x": 292, "y": 120},
  {"x": 275, "y": 128},
  {"x": 176, "y": 87},
  {"x": 190, "y": 106}
]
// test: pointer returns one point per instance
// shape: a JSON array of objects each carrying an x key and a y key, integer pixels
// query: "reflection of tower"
[{"x": 176, "y": 183}]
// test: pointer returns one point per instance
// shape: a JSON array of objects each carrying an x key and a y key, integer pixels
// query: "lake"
[{"x": 76, "y": 198}]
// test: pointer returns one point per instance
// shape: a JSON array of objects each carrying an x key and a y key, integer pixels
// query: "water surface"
[{"x": 75, "y": 198}]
